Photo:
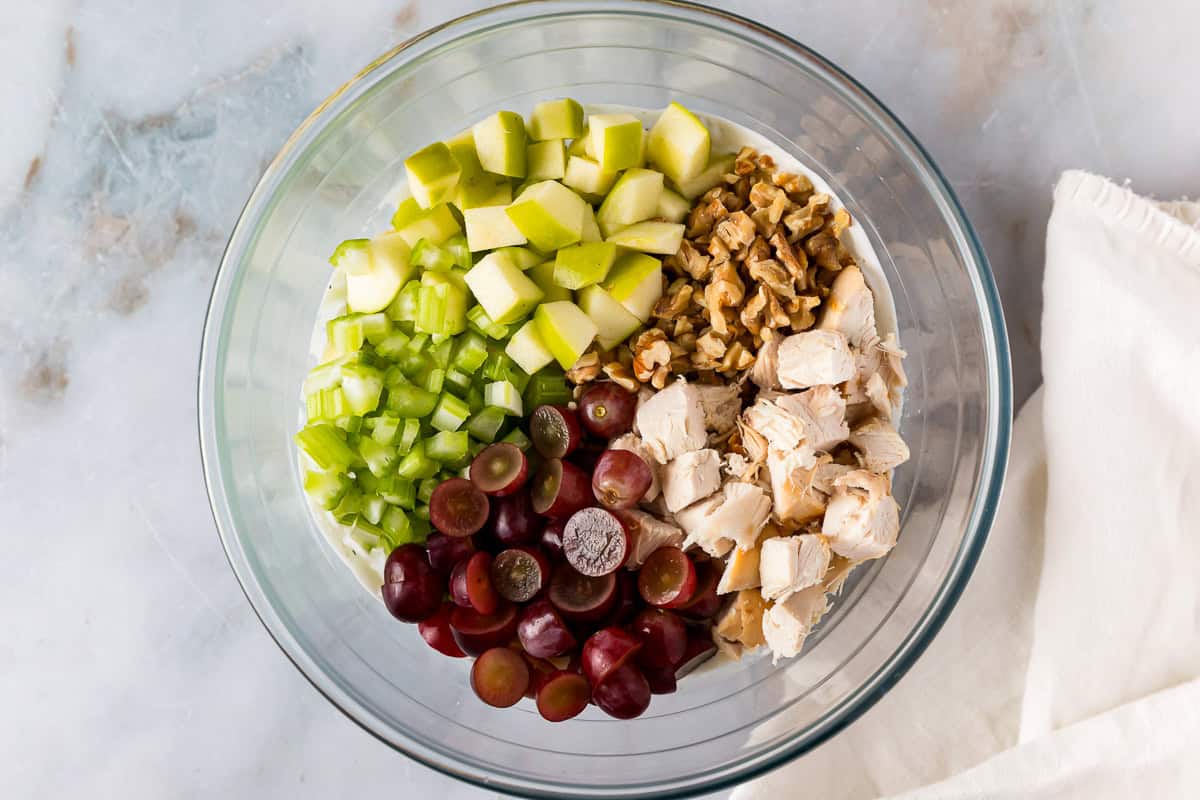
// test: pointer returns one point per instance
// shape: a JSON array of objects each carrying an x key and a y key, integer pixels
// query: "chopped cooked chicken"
[
  {"x": 822, "y": 410},
  {"x": 647, "y": 533},
  {"x": 765, "y": 372},
  {"x": 753, "y": 443},
  {"x": 644, "y": 393},
  {"x": 727, "y": 648},
  {"x": 826, "y": 472},
  {"x": 690, "y": 477},
  {"x": 721, "y": 405},
  {"x": 813, "y": 358},
  {"x": 633, "y": 443},
  {"x": 882, "y": 357},
  {"x": 863, "y": 519},
  {"x": 735, "y": 515},
  {"x": 850, "y": 307},
  {"x": 880, "y": 445},
  {"x": 742, "y": 621},
  {"x": 877, "y": 394},
  {"x": 695, "y": 520},
  {"x": 672, "y": 422},
  {"x": 741, "y": 571},
  {"x": 839, "y": 569},
  {"x": 740, "y": 468},
  {"x": 783, "y": 430},
  {"x": 788, "y": 622},
  {"x": 795, "y": 501},
  {"x": 792, "y": 563}
]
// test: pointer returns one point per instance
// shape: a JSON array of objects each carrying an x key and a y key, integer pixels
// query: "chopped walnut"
[
  {"x": 650, "y": 351},
  {"x": 736, "y": 231},
  {"x": 619, "y": 374},
  {"x": 807, "y": 220},
  {"x": 725, "y": 291},
  {"x": 693, "y": 261},
  {"x": 771, "y": 273},
  {"x": 675, "y": 301},
  {"x": 796, "y": 263},
  {"x": 585, "y": 369}
]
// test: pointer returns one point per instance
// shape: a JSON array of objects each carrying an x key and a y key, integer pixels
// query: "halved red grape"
[
  {"x": 475, "y": 632},
  {"x": 458, "y": 508},
  {"x": 446, "y": 551},
  {"x": 661, "y": 679},
  {"x": 705, "y": 602},
  {"x": 552, "y": 538},
  {"x": 500, "y": 469},
  {"x": 539, "y": 669},
  {"x": 412, "y": 590},
  {"x": 458, "y": 585},
  {"x": 480, "y": 590},
  {"x": 668, "y": 578},
  {"x": 562, "y": 695},
  {"x": 606, "y": 650},
  {"x": 560, "y": 489},
  {"x": 515, "y": 522},
  {"x": 500, "y": 677},
  {"x": 542, "y": 631},
  {"x": 607, "y": 410},
  {"x": 625, "y": 694},
  {"x": 554, "y": 430},
  {"x": 436, "y": 632},
  {"x": 621, "y": 479},
  {"x": 700, "y": 648},
  {"x": 663, "y": 635},
  {"x": 519, "y": 573},
  {"x": 582, "y": 597},
  {"x": 595, "y": 541},
  {"x": 628, "y": 599},
  {"x": 587, "y": 456}
]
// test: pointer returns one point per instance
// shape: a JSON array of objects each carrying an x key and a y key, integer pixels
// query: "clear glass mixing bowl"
[{"x": 332, "y": 181}]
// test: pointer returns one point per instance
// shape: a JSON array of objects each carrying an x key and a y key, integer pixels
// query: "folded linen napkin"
[{"x": 1071, "y": 666}]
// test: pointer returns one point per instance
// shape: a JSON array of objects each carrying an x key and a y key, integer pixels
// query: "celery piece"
[
  {"x": 396, "y": 525},
  {"x": 430, "y": 256},
  {"x": 457, "y": 382},
  {"x": 401, "y": 493},
  {"x": 350, "y": 425},
  {"x": 451, "y": 412},
  {"x": 517, "y": 436},
  {"x": 414, "y": 365},
  {"x": 474, "y": 399},
  {"x": 433, "y": 380},
  {"x": 362, "y": 386},
  {"x": 326, "y": 488},
  {"x": 416, "y": 465},
  {"x": 547, "y": 387},
  {"x": 478, "y": 319},
  {"x": 411, "y": 402},
  {"x": 408, "y": 435},
  {"x": 517, "y": 377},
  {"x": 496, "y": 367},
  {"x": 451, "y": 275},
  {"x": 448, "y": 447},
  {"x": 425, "y": 489},
  {"x": 441, "y": 354},
  {"x": 441, "y": 309},
  {"x": 502, "y": 394},
  {"x": 373, "y": 508},
  {"x": 345, "y": 334},
  {"x": 392, "y": 346},
  {"x": 328, "y": 374},
  {"x": 368, "y": 536},
  {"x": 326, "y": 446},
  {"x": 418, "y": 343},
  {"x": 347, "y": 509},
  {"x": 470, "y": 352},
  {"x": 456, "y": 246},
  {"x": 420, "y": 528},
  {"x": 327, "y": 404},
  {"x": 486, "y": 423},
  {"x": 353, "y": 256},
  {"x": 404, "y": 307},
  {"x": 380, "y": 458},
  {"x": 421, "y": 512},
  {"x": 376, "y": 327}
]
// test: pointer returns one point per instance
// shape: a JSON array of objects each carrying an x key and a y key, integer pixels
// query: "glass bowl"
[{"x": 335, "y": 179}]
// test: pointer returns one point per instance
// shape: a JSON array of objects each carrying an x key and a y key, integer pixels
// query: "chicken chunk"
[
  {"x": 742, "y": 620},
  {"x": 735, "y": 515},
  {"x": 727, "y": 648},
  {"x": 691, "y": 477},
  {"x": 783, "y": 430},
  {"x": 671, "y": 422},
  {"x": 796, "y": 502},
  {"x": 882, "y": 358},
  {"x": 633, "y": 443},
  {"x": 822, "y": 411},
  {"x": 765, "y": 371},
  {"x": 720, "y": 405},
  {"x": 839, "y": 570},
  {"x": 792, "y": 563},
  {"x": 741, "y": 571},
  {"x": 695, "y": 520},
  {"x": 879, "y": 444},
  {"x": 863, "y": 519},
  {"x": 788, "y": 622},
  {"x": 647, "y": 533},
  {"x": 826, "y": 472},
  {"x": 813, "y": 358},
  {"x": 850, "y": 307}
]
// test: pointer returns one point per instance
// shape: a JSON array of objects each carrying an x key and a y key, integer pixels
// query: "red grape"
[
  {"x": 542, "y": 631},
  {"x": 446, "y": 551},
  {"x": 552, "y": 538},
  {"x": 621, "y": 479},
  {"x": 499, "y": 469},
  {"x": 663, "y": 635},
  {"x": 625, "y": 694},
  {"x": 436, "y": 632},
  {"x": 519, "y": 573},
  {"x": 500, "y": 677},
  {"x": 628, "y": 599},
  {"x": 661, "y": 679},
  {"x": 668, "y": 578},
  {"x": 457, "y": 508},
  {"x": 560, "y": 489},
  {"x": 607, "y": 410},
  {"x": 539, "y": 669},
  {"x": 607, "y": 650},
  {"x": 581, "y": 597},
  {"x": 700, "y": 648},
  {"x": 412, "y": 590},
  {"x": 595, "y": 541},
  {"x": 475, "y": 632},
  {"x": 480, "y": 590},
  {"x": 587, "y": 456},
  {"x": 705, "y": 602},
  {"x": 554, "y": 430},
  {"x": 514, "y": 522},
  {"x": 458, "y": 585},
  {"x": 562, "y": 695}
]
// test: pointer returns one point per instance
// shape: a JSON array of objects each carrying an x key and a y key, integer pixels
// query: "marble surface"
[{"x": 130, "y": 662}]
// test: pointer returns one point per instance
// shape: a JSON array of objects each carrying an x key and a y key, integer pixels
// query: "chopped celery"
[
  {"x": 478, "y": 319},
  {"x": 474, "y": 399},
  {"x": 448, "y": 447},
  {"x": 517, "y": 376},
  {"x": 372, "y": 509},
  {"x": 392, "y": 346},
  {"x": 404, "y": 307},
  {"x": 345, "y": 334},
  {"x": 328, "y": 374},
  {"x": 348, "y": 507},
  {"x": 397, "y": 527},
  {"x": 433, "y": 379},
  {"x": 486, "y": 423},
  {"x": 350, "y": 425},
  {"x": 517, "y": 436},
  {"x": 547, "y": 387},
  {"x": 450, "y": 276},
  {"x": 502, "y": 394},
  {"x": 418, "y": 343},
  {"x": 376, "y": 327},
  {"x": 326, "y": 488},
  {"x": 496, "y": 367},
  {"x": 470, "y": 352},
  {"x": 414, "y": 365},
  {"x": 420, "y": 528},
  {"x": 430, "y": 256},
  {"x": 368, "y": 536},
  {"x": 422, "y": 513},
  {"x": 425, "y": 489},
  {"x": 380, "y": 458},
  {"x": 326, "y": 445},
  {"x": 401, "y": 493},
  {"x": 458, "y": 382},
  {"x": 456, "y": 246},
  {"x": 327, "y": 404},
  {"x": 441, "y": 353},
  {"x": 416, "y": 465},
  {"x": 441, "y": 308},
  {"x": 411, "y": 402},
  {"x": 362, "y": 386},
  {"x": 451, "y": 412},
  {"x": 408, "y": 435}
]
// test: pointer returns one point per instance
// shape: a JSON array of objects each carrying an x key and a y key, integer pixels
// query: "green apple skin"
[
  {"x": 673, "y": 207},
  {"x": 500, "y": 143},
  {"x": 433, "y": 174},
  {"x": 408, "y": 211},
  {"x": 583, "y": 264},
  {"x": 352, "y": 256},
  {"x": 634, "y": 198},
  {"x": 566, "y": 331},
  {"x": 545, "y": 160},
  {"x": 503, "y": 290},
  {"x": 650, "y": 236},
  {"x": 527, "y": 349},
  {"x": 523, "y": 257},
  {"x": 556, "y": 119},
  {"x": 613, "y": 322},
  {"x": 679, "y": 144},
  {"x": 617, "y": 141},
  {"x": 718, "y": 166},
  {"x": 462, "y": 147},
  {"x": 543, "y": 275},
  {"x": 585, "y": 176},
  {"x": 482, "y": 190},
  {"x": 375, "y": 289},
  {"x": 489, "y": 227},
  {"x": 636, "y": 282},
  {"x": 591, "y": 230},
  {"x": 549, "y": 214},
  {"x": 435, "y": 225}
]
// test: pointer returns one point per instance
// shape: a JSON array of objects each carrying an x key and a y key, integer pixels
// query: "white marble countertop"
[{"x": 130, "y": 663}]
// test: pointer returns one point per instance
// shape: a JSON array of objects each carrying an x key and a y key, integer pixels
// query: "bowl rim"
[{"x": 995, "y": 450}]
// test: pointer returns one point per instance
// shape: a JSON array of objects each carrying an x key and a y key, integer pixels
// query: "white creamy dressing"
[{"x": 726, "y": 137}]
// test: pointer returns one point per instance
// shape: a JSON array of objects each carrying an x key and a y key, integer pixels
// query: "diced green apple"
[
  {"x": 673, "y": 207},
  {"x": 482, "y": 190},
  {"x": 462, "y": 147},
  {"x": 581, "y": 145},
  {"x": 585, "y": 176},
  {"x": 435, "y": 226},
  {"x": 616, "y": 140},
  {"x": 718, "y": 166},
  {"x": 503, "y": 290},
  {"x": 650, "y": 237},
  {"x": 549, "y": 214},
  {"x": 545, "y": 160},
  {"x": 500, "y": 143},
  {"x": 352, "y": 256},
  {"x": 565, "y": 330},
  {"x": 591, "y": 230},
  {"x": 527, "y": 349},
  {"x": 489, "y": 227},
  {"x": 556, "y": 119},
  {"x": 543, "y": 275},
  {"x": 583, "y": 264},
  {"x": 679, "y": 144},
  {"x": 635, "y": 281},
  {"x": 633, "y": 199},
  {"x": 613, "y": 321},
  {"x": 523, "y": 257},
  {"x": 374, "y": 289},
  {"x": 433, "y": 174},
  {"x": 408, "y": 211}
]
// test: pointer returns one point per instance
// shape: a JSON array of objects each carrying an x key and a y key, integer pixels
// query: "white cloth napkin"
[{"x": 1071, "y": 666}]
